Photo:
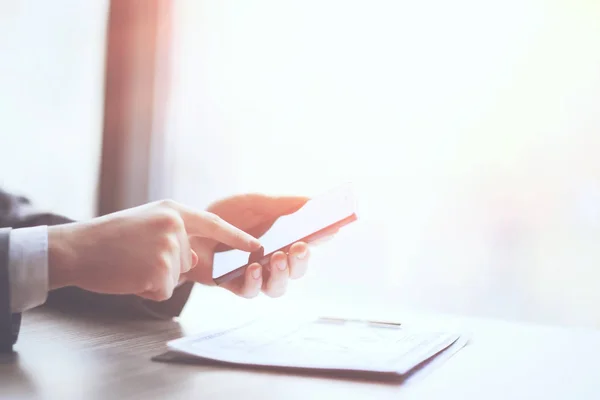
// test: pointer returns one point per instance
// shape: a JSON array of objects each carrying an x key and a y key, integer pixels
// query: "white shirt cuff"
[{"x": 28, "y": 267}]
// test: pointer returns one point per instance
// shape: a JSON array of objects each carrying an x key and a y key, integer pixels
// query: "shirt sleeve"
[{"x": 28, "y": 267}]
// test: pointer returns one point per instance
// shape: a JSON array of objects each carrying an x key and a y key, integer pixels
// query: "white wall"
[{"x": 51, "y": 101}]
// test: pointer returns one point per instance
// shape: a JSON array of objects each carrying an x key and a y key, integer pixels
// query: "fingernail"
[
  {"x": 281, "y": 265},
  {"x": 302, "y": 255},
  {"x": 255, "y": 243},
  {"x": 256, "y": 273}
]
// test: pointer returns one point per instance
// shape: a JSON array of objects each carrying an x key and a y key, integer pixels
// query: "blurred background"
[{"x": 470, "y": 129}]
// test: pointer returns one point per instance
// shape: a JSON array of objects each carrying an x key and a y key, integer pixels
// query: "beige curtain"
[{"x": 138, "y": 43}]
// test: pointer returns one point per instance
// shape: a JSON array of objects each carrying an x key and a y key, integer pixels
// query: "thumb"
[
  {"x": 194, "y": 259},
  {"x": 184, "y": 276},
  {"x": 275, "y": 206}
]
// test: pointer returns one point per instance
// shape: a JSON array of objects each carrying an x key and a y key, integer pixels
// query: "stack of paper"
[{"x": 321, "y": 344}]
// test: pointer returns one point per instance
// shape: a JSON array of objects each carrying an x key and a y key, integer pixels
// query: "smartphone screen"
[{"x": 325, "y": 212}]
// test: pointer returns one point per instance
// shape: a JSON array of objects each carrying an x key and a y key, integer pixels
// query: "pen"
[{"x": 379, "y": 324}]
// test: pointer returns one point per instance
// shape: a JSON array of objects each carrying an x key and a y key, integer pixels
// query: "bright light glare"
[{"x": 470, "y": 128}]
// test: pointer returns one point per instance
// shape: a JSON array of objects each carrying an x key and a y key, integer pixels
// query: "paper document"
[{"x": 319, "y": 343}]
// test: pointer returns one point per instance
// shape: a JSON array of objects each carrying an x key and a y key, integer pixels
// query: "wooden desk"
[{"x": 63, "y": 356}]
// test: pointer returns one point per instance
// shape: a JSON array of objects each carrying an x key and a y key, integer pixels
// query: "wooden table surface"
[{"x": 64, "y": 355}]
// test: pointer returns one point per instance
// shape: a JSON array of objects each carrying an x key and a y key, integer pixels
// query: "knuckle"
[
  {"x": 168, "y": 292},
  {"x": 211, "y": 217},
  {"x": 164, "y": 290},
  {"x": 167, "y": 203},
  {"x": 163, "y": 266},
  {"x": 148, "y": 295},
  {"x": 163, "y": 294},
  {"x": 169, "y": 220},
  {"x": 170, "y": 243},
  {"x": 147, "y": 284},
  {"x": 212, "y": 221}
]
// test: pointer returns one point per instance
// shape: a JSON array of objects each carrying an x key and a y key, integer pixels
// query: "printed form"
[{"x": 320, "y": 343}]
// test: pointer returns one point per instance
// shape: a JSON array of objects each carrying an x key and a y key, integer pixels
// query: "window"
[{"x": 470, "y": 130}]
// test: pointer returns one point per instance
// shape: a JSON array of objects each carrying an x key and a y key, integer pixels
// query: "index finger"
[{"x": 209, "y": 225}]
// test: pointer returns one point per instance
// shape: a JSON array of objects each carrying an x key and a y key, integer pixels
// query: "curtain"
[{"x": 136, "y": 95}]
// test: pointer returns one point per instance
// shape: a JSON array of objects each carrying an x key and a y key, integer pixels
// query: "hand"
[
  {"x": 255, "y": 214},
  {"x": 142, "y": 250}
]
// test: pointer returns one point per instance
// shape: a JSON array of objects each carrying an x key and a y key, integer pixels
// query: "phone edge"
[{"x": 240, "y": 271}]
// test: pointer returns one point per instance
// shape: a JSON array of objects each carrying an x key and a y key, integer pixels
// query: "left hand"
[{"x": 255, "y": 214}]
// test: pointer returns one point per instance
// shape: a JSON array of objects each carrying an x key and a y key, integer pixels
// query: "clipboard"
[{"x": 324, "y": 345}]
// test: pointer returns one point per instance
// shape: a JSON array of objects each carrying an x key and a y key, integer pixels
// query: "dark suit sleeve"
[
  {"x": 10, "y": 322},
  {"x": 14, "y": 213}
]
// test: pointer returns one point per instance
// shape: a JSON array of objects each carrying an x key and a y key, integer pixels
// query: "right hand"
[{"x": 141, "y": 250}]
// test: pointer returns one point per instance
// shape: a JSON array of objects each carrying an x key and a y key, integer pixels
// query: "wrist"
[{"x": 62, "y": 256}]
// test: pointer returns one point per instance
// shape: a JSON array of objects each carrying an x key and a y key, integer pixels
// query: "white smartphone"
[{"x": 320, "y": 215}]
